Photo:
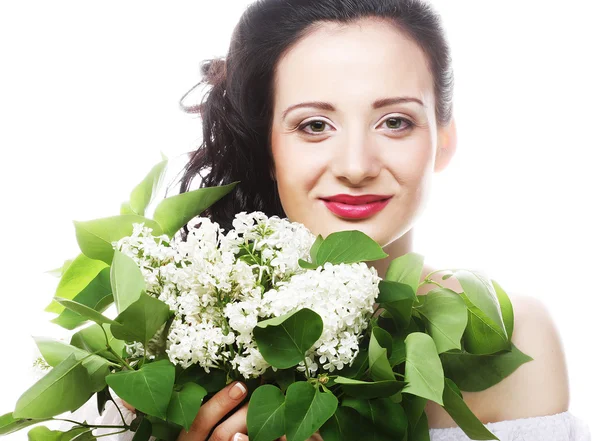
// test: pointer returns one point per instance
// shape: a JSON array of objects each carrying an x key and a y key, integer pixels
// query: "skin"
[{"x": 355, "y": 149}]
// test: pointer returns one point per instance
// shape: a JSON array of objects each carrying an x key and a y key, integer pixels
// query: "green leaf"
[
  {"x": 102, "y": 398},
  {"x": 481, "y": 334},
  {"x": 266, "y": 417},
  {"x": 423, "y": 371},
  {"x": 143, "y": 193},
  {"x": 315, "y": 248},
  {"x": 126, "y": 280},
  {"x": 346, "y": 424},
  {"x": 421, "y": 431},
  {"x": 348, "y": 247},
  {"x": 484, "y": 313},
  {"x": 185, "y": 404},
  {"x": 55, "y": 352},
  {"x": 369, "y": 389},
  {"x": 147, "y": 389},
  {"x": 76, "y": 277},
  {"x": 398, "y": 299},
  {"x": 462, "y": 415},
  {"x": 96, "y": 295},
  {"x": 445, "y": 315},
  {"x": 92, "y": 339},
  {"x": 95, "y": 237},
  {"x": 387, "y": 419},
  {"x": 58, "y": 272},
  {"x": 306, "y": 265},
  {"x": 384, "y": 339},
  {"x": 126, "y": 208},
  {"x": 285, "y": 377},
  {"x": 9, "y": 424},
  {"x": 284, "y": 340},
  {"x": 211, "y": 382},
  {"x": 65, "y": 388},
  {"x": 406, "y": 269},
  {"x": 358, "y": 367},
  {"x": 506, "y": 309},
  {"x": 176, "y": 211},
  {"x": 42, "y": 433},
  {"x": 144, "y": 431},
  {"x": 141, "y": 319},
  {"x": 306, "y": 410},
  {"x": 390, "y": 292},
  {"x": 398, "y": 352},
  {"x": 474, "y": 373},
  {"x": 163, "y": 430},
  {"x": 379, "y": 364},
  {"x": 84, "y": 311},
  {"x": 414, "y": 406}
]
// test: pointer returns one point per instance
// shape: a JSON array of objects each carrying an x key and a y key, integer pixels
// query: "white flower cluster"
[
  {"x": 343, "y": 295},
  {"x": 221, "y": 285}
]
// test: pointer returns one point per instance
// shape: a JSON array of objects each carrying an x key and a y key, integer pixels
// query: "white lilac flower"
[
  {"x": 200, "y": 343},
  {"x": 219, "y": 286},
  {"x": 276, "y": 243},
  {"x": 343, "y": 295}
]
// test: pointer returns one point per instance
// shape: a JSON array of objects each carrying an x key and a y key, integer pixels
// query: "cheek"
[
  {"x": 297, "y": 170},
  {"x": 411, "y": 164},
  {"x": 412, "y": 169}
]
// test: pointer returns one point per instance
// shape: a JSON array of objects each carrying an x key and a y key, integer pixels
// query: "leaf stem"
[
  {"x": 88, "y": 425},
  {"x": 120, "y": 413},
  {"x": 433, "y": 282},
  {"x": 306, "y": 373},
  {"x": 113, "y": 433},
  {"x": 112, "y": 351}
]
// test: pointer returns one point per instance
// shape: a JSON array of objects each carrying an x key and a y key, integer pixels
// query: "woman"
[{"x": 322, "y": 98}]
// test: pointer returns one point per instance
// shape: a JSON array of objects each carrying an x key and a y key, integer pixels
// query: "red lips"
[
  {"x": 356, "y": 200},
  {"x": 356, "y": 207}
]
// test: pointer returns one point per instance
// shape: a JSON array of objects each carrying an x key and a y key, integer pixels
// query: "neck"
[{"x": 399, "y": 247}]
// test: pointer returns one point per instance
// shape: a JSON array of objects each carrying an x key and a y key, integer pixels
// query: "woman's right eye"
[{"x": 317, "y": 126}]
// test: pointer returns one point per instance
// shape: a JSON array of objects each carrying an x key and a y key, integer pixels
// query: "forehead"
[{"x": 364, "y": 61}]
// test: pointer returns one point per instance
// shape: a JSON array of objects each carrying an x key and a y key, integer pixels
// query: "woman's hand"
[{"x": 212, "y": 411}]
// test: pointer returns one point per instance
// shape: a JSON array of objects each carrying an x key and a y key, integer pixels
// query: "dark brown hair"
[{"x": 237, "y": 111}]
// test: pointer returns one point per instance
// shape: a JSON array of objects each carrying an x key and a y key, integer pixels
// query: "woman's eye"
[
  {"x": 317, "y": 126},
  {"x": 395, "y": 124}
]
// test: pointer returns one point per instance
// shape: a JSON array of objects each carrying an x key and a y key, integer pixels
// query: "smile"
[{"x": 356, "y": 211}]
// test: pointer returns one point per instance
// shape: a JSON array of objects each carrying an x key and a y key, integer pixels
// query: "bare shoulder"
[
  {"x": 538, "y": 387},
  {"x": 541, "y": 386}
]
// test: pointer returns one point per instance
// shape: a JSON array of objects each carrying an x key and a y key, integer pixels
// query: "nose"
[{"x": 356, "y": 159}]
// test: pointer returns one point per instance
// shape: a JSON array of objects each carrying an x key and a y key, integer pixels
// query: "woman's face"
[{"x": 360, "y": 140}]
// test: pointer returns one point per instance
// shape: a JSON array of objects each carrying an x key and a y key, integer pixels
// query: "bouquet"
[{"x": 322, "y": 341}]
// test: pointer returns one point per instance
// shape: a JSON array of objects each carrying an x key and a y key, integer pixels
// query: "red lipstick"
[{"x": 356, "y": 207}]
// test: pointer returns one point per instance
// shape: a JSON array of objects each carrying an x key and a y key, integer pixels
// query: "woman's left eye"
[
  {"x": 394, "y": 124},
  {"x": 397, "y": 121}
]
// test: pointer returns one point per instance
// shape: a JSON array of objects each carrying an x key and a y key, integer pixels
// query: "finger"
[
  {"x": 236, "y": 423},
  {"x": 213, "y": 410}
]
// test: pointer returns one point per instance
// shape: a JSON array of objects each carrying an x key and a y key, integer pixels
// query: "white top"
[{"x": 559, "y": 427}]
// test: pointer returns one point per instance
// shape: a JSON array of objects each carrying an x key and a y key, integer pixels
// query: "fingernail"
[
  {"x": 238, "y": 437},
  {"x": 237, "y": 391}
]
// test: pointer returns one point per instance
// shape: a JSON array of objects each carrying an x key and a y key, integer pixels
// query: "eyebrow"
[{"x": 376, "y": 104}]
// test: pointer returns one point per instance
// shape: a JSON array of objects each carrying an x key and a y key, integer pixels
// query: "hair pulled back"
[{"x": 237, "y": 111}]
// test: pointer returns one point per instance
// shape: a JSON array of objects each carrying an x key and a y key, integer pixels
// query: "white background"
[{"x": 89, "y": 97}]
